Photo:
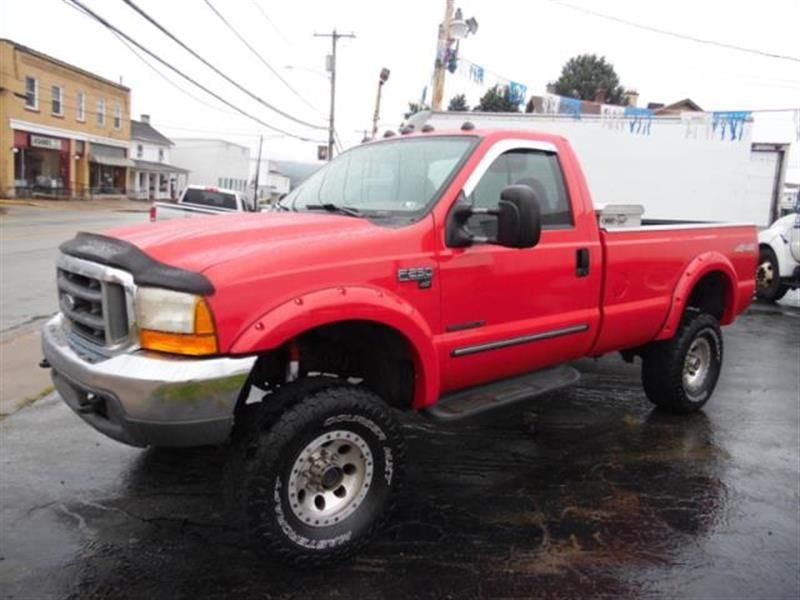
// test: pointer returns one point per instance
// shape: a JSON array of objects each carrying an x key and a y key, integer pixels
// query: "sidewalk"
[
  {"x": 22, "y": 381},
  {"x": 113, "y": 204}
]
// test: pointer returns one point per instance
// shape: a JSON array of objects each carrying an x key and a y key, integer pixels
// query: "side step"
[{"x": 482, "y": 398}]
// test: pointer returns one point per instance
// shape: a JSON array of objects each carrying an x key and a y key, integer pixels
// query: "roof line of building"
[
  {"x": 207, "y": 139},
  {"x": 66, "y": 65}
]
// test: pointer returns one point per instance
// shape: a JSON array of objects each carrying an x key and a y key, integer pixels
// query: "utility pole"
[
  {"x": 258, "y": 169},
  {"x": 334, "y": 35},
  {"x": 441, "y": 51}
]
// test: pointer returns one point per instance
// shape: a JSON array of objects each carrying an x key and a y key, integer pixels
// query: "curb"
[{"x": 9, "y": 202}]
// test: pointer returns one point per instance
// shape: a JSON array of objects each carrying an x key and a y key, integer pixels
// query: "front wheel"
[
  {"x": 680, "y": 374},
  {"x": 316, "y": 481}
]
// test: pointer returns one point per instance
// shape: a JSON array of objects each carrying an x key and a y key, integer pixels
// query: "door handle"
[{"x": 582, "y": 262}]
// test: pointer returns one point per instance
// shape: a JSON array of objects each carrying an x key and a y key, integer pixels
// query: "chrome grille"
[{"x": 96, "y": 304}]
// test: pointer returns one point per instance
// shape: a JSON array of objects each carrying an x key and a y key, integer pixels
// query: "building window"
[
  {"x": 160, "y": 155},
  {"x": 31, "y": 93},
  {"x": 80, "y": 106},
  {"x": 101, "y": 112},
  {"x": 117, "y": 116},
  {"x": 139, "y": 151},
  {"x": 56, "y": 94}
]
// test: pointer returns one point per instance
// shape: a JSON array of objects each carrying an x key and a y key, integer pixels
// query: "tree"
[
  {"x": 414, "y": 108},
  {"x": 458, "y": 103},
  {"x": 498, "y": 99},
  {"x": 583, "y": 75}
]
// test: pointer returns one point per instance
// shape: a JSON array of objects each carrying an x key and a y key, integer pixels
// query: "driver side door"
[{"x": 507, "y": 311}]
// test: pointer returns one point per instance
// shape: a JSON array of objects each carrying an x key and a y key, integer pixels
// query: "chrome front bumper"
[{"x": 148, "y": 399}]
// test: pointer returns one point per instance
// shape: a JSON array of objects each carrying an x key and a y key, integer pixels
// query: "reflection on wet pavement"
[{"x": 586, "y": 492}]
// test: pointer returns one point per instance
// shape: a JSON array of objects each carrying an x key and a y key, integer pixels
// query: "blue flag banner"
[
  {"x": 476, "y": 73},
  {"x": 730, "y": 124},
  {"x": 640, "y": 119},
  {"x": 570, "y": 106},
  {"x": 518, "y": 92}
]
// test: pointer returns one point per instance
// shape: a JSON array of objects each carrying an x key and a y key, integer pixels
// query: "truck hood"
[{"x": 200, "y": 243}]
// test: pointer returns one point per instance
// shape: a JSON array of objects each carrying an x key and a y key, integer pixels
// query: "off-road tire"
[
  {"x": 259, "y": 470},
  {"x": 771, "y": 290},
  {"x": 666, "y": 366}
]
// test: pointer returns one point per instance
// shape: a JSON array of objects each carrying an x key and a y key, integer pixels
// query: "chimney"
[
  {"x": 600, "y": 95},
  {"x": 145, "y": 119},
  {"x": 631, "y": 97}
]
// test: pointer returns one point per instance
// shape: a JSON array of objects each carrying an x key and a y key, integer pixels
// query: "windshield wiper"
[{"x": 335, "y": 208}]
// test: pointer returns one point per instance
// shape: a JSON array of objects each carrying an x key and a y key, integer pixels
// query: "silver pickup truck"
[{"x": 199, "y": 200}]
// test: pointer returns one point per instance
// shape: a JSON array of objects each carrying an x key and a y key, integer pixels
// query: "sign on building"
[{"x": 40, "y": 141}]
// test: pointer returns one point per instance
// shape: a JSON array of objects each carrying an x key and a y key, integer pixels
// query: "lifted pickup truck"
[
  {"x": 201, "y": 200},
  {"x": 446, "y": 273}
]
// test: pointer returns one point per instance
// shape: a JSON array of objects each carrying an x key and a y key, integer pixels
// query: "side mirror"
[{"x": 518, "y": 220}]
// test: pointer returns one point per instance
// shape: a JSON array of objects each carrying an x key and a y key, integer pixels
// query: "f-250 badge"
[{"x": 422, "y": 275}]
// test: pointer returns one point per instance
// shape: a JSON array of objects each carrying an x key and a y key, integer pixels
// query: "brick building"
[{"x": 63, "y": 131}]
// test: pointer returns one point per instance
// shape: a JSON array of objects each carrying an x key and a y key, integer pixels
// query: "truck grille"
[{"x": 96, "y": 309}]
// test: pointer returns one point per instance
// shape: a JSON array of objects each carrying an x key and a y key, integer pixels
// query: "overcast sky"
[{"x": 522, "y": 40}]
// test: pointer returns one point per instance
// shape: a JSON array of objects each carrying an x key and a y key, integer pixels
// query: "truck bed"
[
  {"x": 642, "y": 266},
  {"x": 161, "y": 211}
]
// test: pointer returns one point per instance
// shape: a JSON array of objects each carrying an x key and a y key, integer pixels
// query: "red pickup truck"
[{"x": 442, "y": 272}]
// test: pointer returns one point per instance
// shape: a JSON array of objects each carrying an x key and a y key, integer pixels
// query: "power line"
[
  {"x": 255, "y": 97},
  {"x": 111, "y": 27},
  {"x": 272, "y": 24},
  {"x": 260, "y": 57},
  {"x": 673, "y": 33},
  {"x": 167, "y": 79},
  {"x": 164, "y": 77}
]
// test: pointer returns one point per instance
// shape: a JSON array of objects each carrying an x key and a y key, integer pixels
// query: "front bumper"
[{"x": 148, "y": 399}]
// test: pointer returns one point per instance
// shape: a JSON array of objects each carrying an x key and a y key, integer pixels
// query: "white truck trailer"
[{"x": 691, "y": 167}]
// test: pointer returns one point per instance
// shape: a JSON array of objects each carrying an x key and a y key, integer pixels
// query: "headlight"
[{"x": 174, "y": 322}]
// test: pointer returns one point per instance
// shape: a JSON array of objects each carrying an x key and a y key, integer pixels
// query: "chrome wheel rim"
[
  {"x": 330, "y": 478},
  {"x": 696, "y": 365},
  {"x": 765, "y": 274}
]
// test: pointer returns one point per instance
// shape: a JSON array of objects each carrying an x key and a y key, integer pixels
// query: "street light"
[
  {"x": 460, "y": 28},
  {"x": 382, "y": 78}
]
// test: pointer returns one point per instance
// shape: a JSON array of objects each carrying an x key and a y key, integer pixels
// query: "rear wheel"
[
  {"x": 680, "y": 374},
  {"x": 768, "y": 282},
  {"x": 315, "y": 481}
]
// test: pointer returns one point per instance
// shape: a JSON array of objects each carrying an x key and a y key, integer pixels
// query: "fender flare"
[
  {"x": 349, "y": 303},
  {"x": 697, "y": 268}
]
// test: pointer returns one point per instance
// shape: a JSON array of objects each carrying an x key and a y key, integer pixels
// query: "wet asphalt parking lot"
[{"x": 588, "y": 492}]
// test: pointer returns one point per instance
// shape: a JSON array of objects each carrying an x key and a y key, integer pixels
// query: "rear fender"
[
  {"x": 700, "y": 266},
  {"x": 356, "y": 303}
]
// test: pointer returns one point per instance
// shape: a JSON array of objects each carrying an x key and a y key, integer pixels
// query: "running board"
[{"x": 479, "y": 399}]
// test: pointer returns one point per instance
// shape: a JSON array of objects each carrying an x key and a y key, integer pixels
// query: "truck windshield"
[{"x": 398, "y": 177}]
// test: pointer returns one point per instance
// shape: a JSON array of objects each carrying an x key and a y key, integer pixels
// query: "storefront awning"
[
  {"x": 111, "y": 161},
  {"x": 156, "y": 167},
  {"x": 112, "y": 156}
]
